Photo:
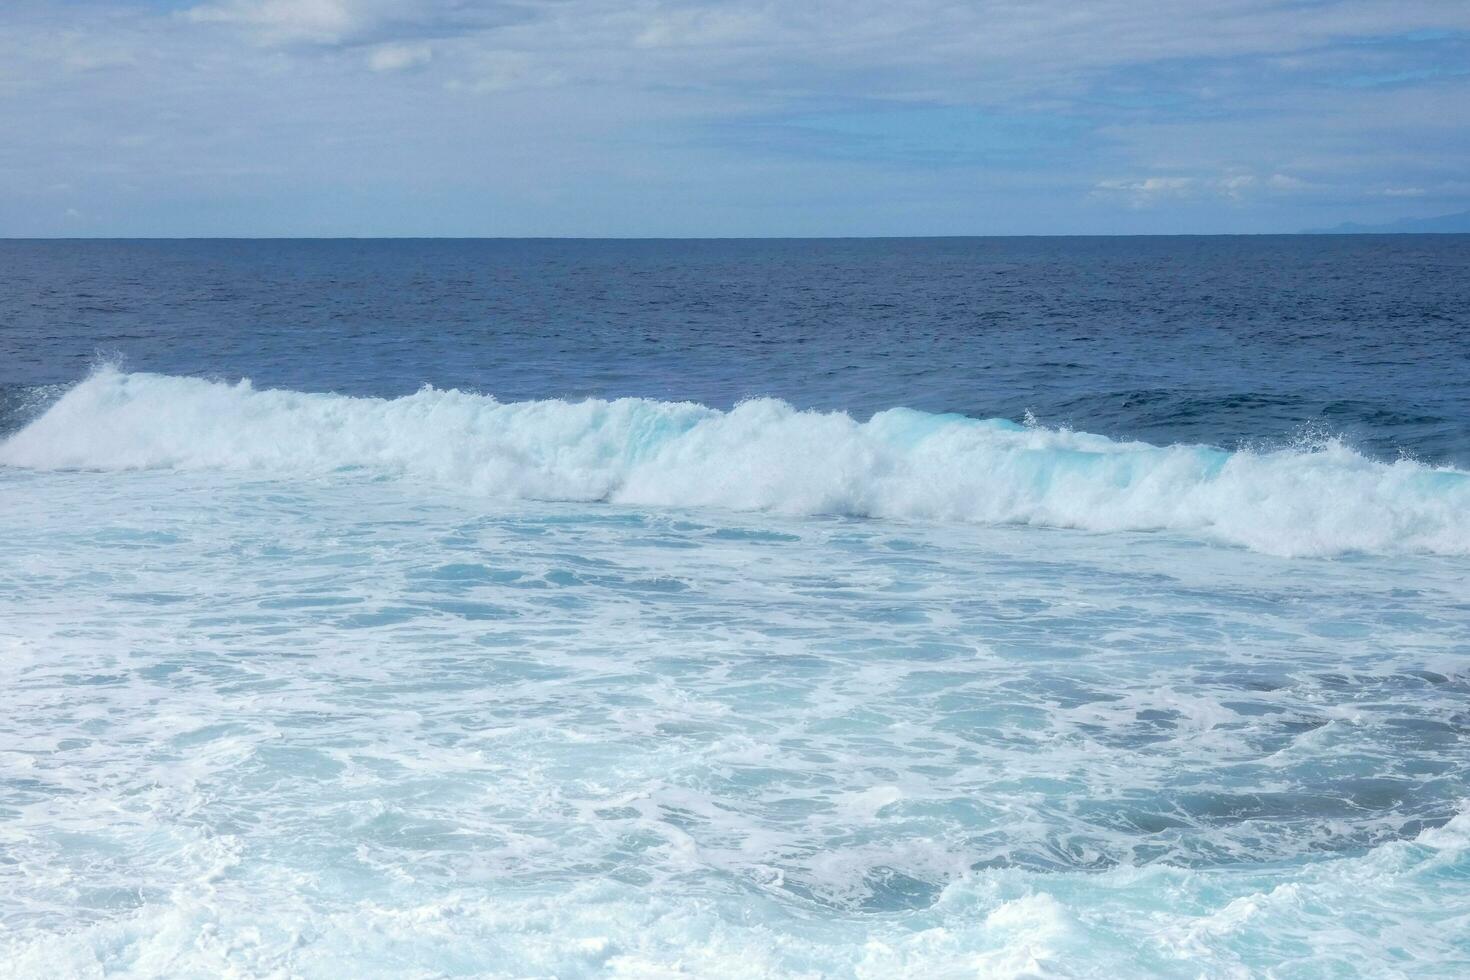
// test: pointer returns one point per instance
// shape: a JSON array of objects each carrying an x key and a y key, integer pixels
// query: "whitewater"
[
  {"x": 438, "y": 685},
  {"x": 763, "y": 455}
]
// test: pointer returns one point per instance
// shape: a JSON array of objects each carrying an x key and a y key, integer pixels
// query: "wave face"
[{"x": 763, "y": 455}]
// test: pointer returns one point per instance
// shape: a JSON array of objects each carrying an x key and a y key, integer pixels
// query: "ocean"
[{"x": 1091, "y": 607}]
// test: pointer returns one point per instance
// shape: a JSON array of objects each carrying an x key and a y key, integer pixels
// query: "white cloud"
[
  {"x": 286, "y": 20},
  {"x": 399, "y": 57},
  {"x": 338, "y": 22},
  {"x": 1223, "y": 108},
  {"x": 989, "y": 40},
  {"x": 1285, "y": 182},
  {"x": 1148, "y": 191},
  {"x": 1235, "y": 187},
  {"x": 702, "y": 27}
]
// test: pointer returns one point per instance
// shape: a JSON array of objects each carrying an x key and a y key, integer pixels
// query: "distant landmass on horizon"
[{"x": 1444, "y": 224}]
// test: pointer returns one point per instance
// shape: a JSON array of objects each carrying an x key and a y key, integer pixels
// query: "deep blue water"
[
  {"x": 1219, "y": 340},
  {"x": 950, "y": 608}
]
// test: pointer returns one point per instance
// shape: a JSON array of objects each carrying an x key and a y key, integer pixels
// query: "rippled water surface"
[
  {"x": 325, "y": 674},
  {"x": 1215, "y": 340}
]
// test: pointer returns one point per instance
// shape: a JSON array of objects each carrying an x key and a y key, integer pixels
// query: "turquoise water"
[
  {"x": 269, "y": 715},
  {"x": 433, "y": 683}
]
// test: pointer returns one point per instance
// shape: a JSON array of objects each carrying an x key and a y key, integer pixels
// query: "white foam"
[
  {"x": 762, "y": 455},
  {"x": 1137, "y": 922},
  {"x": 324, "y": 727}
]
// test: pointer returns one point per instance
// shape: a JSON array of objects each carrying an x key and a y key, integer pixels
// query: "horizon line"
[{"x": 710, "y": 238}]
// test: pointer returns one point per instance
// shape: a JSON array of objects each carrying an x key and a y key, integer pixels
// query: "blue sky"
[{"x": 735, "y": 117}]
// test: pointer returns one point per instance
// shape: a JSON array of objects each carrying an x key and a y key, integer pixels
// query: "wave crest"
[{"x": 762, "y": 455}]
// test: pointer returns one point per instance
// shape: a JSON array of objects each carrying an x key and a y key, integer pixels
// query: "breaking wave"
[{"x": 762, "y": 455}]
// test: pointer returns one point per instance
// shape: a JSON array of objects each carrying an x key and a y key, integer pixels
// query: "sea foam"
[{"x": 762, "y": 455}]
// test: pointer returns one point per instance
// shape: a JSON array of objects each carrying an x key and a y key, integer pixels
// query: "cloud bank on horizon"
[{"x": 728, "y": 117}]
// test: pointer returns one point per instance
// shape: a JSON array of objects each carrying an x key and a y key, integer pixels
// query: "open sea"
[{"x": 846, "y": 608}]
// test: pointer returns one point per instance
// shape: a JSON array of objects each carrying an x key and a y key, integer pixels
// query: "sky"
[{"x": 728, "y": 117}]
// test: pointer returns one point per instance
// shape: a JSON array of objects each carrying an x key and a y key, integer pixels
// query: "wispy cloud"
[
  {"x": 682, "y": 116},
  {"x": 399, "y": 56},
  {"x": 332, "y": 22},
  {"x": 1149, "y": 191},
  {"x": 287, "y": 20}
]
